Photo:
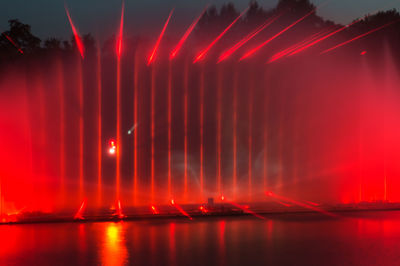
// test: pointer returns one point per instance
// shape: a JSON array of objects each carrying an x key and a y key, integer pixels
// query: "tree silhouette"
[
  {"x": 52, "y": 44},
  {"x": 21, "y": 34}
]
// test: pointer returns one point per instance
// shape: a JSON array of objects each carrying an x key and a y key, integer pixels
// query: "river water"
[{"x": 368, "y": 238}]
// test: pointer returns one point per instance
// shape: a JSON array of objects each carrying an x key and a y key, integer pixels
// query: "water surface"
[{"x": 370, "y": 238}]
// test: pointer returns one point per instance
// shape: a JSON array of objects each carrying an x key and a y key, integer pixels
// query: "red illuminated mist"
[
  {"x": 322, "y": 130},
  {"x": 118, "y": 142}
]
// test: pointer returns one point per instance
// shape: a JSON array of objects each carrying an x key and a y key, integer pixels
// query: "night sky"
[{"x": 100, "y": 17}]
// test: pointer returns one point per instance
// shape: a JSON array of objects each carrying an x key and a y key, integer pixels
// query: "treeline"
[{"x": 19, "y": 41}]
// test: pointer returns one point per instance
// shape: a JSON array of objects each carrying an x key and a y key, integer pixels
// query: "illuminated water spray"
[{"x": 118, "y": 141}]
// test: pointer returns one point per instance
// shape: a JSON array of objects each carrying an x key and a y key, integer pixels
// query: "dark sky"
[{"x": 100, "y": 17}]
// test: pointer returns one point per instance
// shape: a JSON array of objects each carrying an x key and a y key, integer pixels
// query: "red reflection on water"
[
  {"x": 113, "y": 250},
  {"x": 82, "y": 238},
  {"x": 221, "y": 239},
  {"x": 172, "y": 243},
  {"x": 270, "y": 228}
]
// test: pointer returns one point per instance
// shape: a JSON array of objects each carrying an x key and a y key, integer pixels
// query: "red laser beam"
[
  {"x": 360, "y": 36},
  {"x": 135, "y": 133},
  {"x": 118, "y": 107},
  {"x": 311, "y": 203},
  {"x": 121, "y": 29},
  {"x": 320, "y": 39},
  {"x": 282, "y": 203},
  {"x": 13, "y": 43},
  {"x": 326, "y": 36},
  {"x": 99, "y": 121},
  {"x": 78, "y": 39},
  {"x": 301, "y": 204},
  {"x": 292, "y": 48},
  {"x": 225, "y": 55},
  {"x": 234, "y": 129},
  {"x": 203, "y": 53},
  {"x": 179, "y": 208},
  {"x": 201, "y": 118},
  {"x": 254, "y": 50},
  {"x": 169, "y": 118},
  {"x": 243, "y": 208},
  {"x": 186, "y": 35},
  {"x": 79, "y": 213},
  {"x": 153, "y": 54}
]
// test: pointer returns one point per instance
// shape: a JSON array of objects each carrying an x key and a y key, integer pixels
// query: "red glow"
[
  {"x": 203, "y": 53},
  {"x": 202, "y": 81},
  {"x": 265, "y": 157},
  {"x": 135, "y": 133},
  {"x": 179, "y": 208},
  {"x": 254, "y": 50},
  {"x": 186, "y": 35},
  {"x": 119, "y": 213},
  {"x": 121, "y": 29},
  {"x": 118, "y": 118},
  {"x": 13, "y": 43},
  {"x": 222, "y": 197},
  {"x": 79, "y": 213},
  {"x": 112, "y": 147},
  {"x": 203, "y": 209},
  {"x": 152, "y": 128},
  {"x": 301, "y": 204},
  {"x": 360, "y": 36},
  {"x": 112, "y": 143},
  {"x": 81, "y": 129},
  {"x": 363, "y": 53},
  {"x": 234, "y": 118},
  {"x": 153, "y": 54},
  {"x": 250, "y": 140},
  {"x": 78, "y": 39},
  {"x": 185, "y": 110},
  {"x": 154, "y": 210},
  {"x": 219, "y": 128},
  {"x": 225, "y": 55},
  {"x": 169, "y": 127},
  {"x": 99, "y": 121}
]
